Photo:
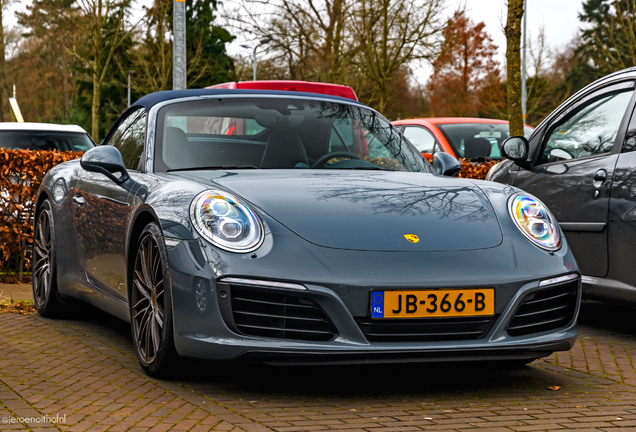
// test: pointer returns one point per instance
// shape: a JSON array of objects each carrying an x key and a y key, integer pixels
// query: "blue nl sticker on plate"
[{"x": 377, "y": 304}]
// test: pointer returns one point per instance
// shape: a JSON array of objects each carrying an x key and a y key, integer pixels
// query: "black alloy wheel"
[
  {"x": 151, "y": 305},
  {"x": 43, "y": 271}
]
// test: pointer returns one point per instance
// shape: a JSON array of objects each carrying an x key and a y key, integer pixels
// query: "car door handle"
[
  {"x": 79, "y": 200},
  {"x": 600, "y": 176}
]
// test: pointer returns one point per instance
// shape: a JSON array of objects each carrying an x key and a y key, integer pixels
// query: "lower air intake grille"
[
  {"x": 544, "y": 310},
  {"x": 424, "y": 330},
  {"x": 274, "y": 315}
]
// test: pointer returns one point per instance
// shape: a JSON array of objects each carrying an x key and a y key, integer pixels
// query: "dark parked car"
[
  {"x": 581, "y": 163},
  {"x": 314, "y": 232}
]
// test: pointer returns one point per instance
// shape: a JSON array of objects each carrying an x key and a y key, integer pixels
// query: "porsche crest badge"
[{"x": 412, "y": 238}]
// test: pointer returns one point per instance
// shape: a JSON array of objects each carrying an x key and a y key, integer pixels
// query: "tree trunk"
[
  {"x": 21, "y": 261},
  {"x": 384, "y": 95},
  {"x": 65, "y": 85},
  {"x": 513, "y": 58},
  {"x": 95, "y": 108},
  {"x": 3, "y": 70}
]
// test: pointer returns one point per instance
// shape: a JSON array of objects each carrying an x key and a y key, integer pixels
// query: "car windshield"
[
  {"x": 478, "y": 140},
  {"x": 45, "y": 140},
  {"x": 279, "y": 133}
]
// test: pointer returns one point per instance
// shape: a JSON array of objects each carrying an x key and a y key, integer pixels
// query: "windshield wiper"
[{"x": 219, "y": 167}]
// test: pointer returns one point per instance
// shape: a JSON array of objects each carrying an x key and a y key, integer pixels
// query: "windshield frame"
[{"x": 154, "y": 122}]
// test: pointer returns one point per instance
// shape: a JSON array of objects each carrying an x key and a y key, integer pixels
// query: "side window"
[
  {"x": 421, "y": 138},
  {"x": 129, "y": 138},
  {"x": 590, "y": 130}
]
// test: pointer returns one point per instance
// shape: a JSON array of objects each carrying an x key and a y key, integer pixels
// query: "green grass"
[{"x": 9, "y": 305}]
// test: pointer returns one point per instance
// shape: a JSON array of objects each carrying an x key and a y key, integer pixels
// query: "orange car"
[{"x": 463, "y": 137}]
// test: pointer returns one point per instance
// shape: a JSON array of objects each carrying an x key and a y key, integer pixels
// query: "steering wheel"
[{"x": 324, "y": 159}]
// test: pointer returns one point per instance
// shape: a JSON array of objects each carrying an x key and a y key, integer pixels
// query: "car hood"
[{"x": 370, "y": 211}]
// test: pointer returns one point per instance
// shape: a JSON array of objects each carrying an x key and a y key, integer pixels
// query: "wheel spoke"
[
  {"x": 143, "y": 330},
  {"x": 147, "y": 340},
  {"x": 41, "y": 267},
  {"x": 140, "y": 311},
  {"x": 141, "y": 288},
  {"x": 40, "y": 228},
  {"x": 140, "y": 276},
  {"x": 46, "y": 231},
  {"x": 45, "y": 279},
  {"x": 43, "y": 261},
  {"x": 153, "y": 255},
  {"x": 156, "y": 335},
  {"x": 159, "y": 317},
  {"x": 39, "y": 245},
  {"x": 156, "y": 263},
  {"x": 138, "y": 304},
  {"x": 37, "y": 290},
  {"x": 144, "y": 263}
]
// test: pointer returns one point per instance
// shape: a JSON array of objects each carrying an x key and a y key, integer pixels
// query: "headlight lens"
[
  {"x": 226, "y": 222},
  {"x": 535, "y": 221}
]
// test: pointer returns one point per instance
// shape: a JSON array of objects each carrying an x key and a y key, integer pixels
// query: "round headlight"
[
  {"x": 535, "y": 221},
  {"x": 226, "y": 222}
]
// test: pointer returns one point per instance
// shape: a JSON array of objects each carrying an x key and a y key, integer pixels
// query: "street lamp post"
[
  {"x": 179, "y": 70},
  {"x": 263, "y": 41}
]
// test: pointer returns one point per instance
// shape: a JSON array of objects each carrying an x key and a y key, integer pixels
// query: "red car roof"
[
  {"x": 289, "y": 85},
  {"x": 444, "y": 120}
]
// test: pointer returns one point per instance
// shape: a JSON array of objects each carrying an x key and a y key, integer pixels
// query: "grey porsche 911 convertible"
[{"x": 288, "y": 227}]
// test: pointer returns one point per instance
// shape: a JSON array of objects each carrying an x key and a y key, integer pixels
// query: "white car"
[{"x": 44, "y": 136}]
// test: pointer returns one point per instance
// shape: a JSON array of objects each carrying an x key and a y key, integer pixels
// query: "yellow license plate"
[{"x": 433, "y": 303}]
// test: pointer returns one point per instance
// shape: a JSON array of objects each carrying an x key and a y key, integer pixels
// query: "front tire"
[
  {"x": 151, "y": 305},
  {"x": 43, "y": 271}
]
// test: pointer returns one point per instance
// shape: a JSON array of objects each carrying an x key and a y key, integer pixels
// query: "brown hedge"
[
  {"x": 21, "y": 172},
  {"x": 475, "y": 170}
]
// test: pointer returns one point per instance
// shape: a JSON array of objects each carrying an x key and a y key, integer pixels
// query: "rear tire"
[
  {"x": 43, "y": 270},
  {"x": 151, "y": 305}
]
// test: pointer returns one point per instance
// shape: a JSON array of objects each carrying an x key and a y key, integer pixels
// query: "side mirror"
[
  {"x": 446, "y": 164},
  {"x": 105, "y": 160},
  {"x": 515, "y": 148},
  {"x": 427, "y": 156}
]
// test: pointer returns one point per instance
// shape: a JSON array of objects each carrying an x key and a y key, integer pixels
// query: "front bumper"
[{"x": 202, "y": 331}]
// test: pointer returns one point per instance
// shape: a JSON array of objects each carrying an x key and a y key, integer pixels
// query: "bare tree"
[
  {"x": 513, "y": 59},
  {"x": 152, "y": 59},
  {"x": 309, "y": 36},
  {"x": 103, "y": 22},
  {"x": 389, "y": 34}
]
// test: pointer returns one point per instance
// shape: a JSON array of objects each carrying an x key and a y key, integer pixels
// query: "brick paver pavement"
[{"x": 84, "y": 368}]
